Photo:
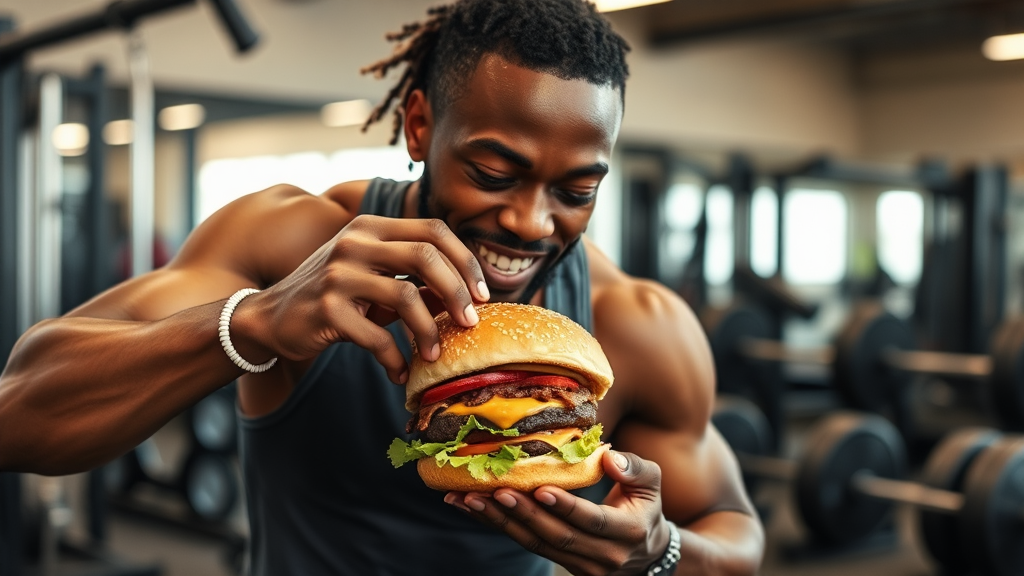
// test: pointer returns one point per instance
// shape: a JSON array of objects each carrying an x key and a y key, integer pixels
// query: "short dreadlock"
[{"x": 565, "y": 38}]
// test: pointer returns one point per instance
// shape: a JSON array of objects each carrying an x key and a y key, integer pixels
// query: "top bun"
[{"x": 511, "y": 336}]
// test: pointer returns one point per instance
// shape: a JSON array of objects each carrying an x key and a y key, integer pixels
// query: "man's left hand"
[{"x": 624, "y": 535}]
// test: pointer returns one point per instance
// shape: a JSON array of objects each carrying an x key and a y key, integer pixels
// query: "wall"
[
  {"x": 753, "y": 94},
  {"x": 951, "y": 103}
]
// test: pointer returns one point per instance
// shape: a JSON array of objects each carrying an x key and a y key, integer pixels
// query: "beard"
[{"x": 428, "y": 209}]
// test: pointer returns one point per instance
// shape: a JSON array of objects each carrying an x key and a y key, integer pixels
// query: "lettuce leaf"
[
  {"x": 578, "y": 450},
  {"x": 402, "y": 452},
  {"x": 480, "y": 466}
]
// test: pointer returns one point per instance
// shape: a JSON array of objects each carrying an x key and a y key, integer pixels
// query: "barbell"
[
  {"x": 971, "y": 497},
  {"x": 871, "y": 359}
]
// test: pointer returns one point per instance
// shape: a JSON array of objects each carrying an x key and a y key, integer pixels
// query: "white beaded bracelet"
[{"x": 225, "y": 336}]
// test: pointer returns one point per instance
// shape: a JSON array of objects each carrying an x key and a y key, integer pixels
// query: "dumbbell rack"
[{"x": 212, "y": 449}]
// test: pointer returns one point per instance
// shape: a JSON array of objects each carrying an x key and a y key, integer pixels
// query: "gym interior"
[{"x": 835, "y": 188}]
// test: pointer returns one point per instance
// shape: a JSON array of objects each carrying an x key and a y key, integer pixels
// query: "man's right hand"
[{"x": 346, "y": 291}]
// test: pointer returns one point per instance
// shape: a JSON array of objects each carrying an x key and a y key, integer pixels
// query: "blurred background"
[{"x": 797, "y": 157}]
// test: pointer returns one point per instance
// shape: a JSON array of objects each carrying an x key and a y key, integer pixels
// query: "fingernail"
[
  {"x": 435, "y": 352},
  {"x": 621, "y": 461},
  {"x": 507, "y": 500},
  {"x": 471, "y": 315},
  {"x": 403, "y": 377},
  {"x": 546, "y": 498},
  {"x": 454, "y": 501},
  {"x": 475, "y": 504},
  {"x": 481, "y": 287}
]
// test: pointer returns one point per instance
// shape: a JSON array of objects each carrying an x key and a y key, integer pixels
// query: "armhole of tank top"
[{"x": 300, "y": 390}]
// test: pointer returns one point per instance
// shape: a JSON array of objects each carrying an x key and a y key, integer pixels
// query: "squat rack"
[{"x": 14, "y": 46}]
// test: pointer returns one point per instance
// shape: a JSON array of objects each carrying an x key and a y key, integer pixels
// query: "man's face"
[{"x": 513, "y": 168}]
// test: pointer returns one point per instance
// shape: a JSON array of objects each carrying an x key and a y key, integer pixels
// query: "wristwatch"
[{"x": 670, "y": 558}]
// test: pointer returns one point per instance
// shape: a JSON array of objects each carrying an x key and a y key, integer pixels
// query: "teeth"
[{"x": 503, "y": 263}]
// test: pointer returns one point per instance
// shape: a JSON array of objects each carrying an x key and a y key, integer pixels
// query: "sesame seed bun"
[{"x": 511, "y": 337}]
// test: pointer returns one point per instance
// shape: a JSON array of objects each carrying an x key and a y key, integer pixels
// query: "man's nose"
[{"x": 528, "y": 215}]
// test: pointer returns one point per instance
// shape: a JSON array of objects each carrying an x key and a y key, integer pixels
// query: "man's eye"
[
  {"x": 492, "y": 181},
  {"x": 578, "y": 198}
]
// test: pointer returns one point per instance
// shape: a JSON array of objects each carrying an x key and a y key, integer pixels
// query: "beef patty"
[{"x": 443, "y": 427}]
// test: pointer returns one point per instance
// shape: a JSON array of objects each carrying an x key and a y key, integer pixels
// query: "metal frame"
[{"x": 119, "y": 14}]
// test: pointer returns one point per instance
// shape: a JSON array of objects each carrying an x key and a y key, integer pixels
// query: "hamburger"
[{"x": 510, "y": 402}]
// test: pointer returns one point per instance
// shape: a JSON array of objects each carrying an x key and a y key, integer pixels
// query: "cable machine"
[{"x": 31, "y": 212}]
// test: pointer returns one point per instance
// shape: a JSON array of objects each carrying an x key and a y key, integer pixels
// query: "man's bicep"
[{"x": 700, "y": 474}]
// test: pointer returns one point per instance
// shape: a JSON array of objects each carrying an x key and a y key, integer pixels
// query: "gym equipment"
[
  {"x": 849, "y": 477},
  {"x": 14, "y": 47},
  {"x": 872, "y": 359},
  {"x": 210, "y": 486},
  {"x": 213, "y": 422}
]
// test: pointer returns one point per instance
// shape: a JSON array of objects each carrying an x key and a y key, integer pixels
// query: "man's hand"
[
  {"x": 347, "y": 290},
  {"x": 624, "y": 535}
]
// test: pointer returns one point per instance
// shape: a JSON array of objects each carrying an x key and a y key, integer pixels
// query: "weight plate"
[
  {"x": 725, "y": 329},
  {"x": 210, "y": 486},
  {"x": 1008, "y": 374},
  {"x": 993, "y": 514},
  {"x": 120, "y": 475},
  {"x": 839, "y": 448},
  {"x": 946, "y": 469},
  {"x": 860, "y": 375},
  {"x": 744, "y": 428},
  {"x": 214, "y": 425}
]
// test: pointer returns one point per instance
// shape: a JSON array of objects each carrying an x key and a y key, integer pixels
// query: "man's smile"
[{"x": 505, "y": 269}]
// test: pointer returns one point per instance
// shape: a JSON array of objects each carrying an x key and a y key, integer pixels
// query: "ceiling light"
[
  {"x": 71, "y": 139},
  {"x": 612, "y": 5},
  {"x": 183, "y": 117},
  {"x": 348, "y": 113},
  {"x": 118, "y": 132},
  {"x": 1008, "y": 47}
]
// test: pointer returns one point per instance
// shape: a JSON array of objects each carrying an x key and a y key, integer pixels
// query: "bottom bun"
[{"x": 527, "y": 475}]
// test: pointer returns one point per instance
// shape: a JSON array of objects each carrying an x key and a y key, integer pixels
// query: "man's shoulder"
[
  {"x": 348, "y": 195},
  {"x": 617, "y": 295},
  {"x": 657, "y": 348},
  {"x": 266, "y": 233}
]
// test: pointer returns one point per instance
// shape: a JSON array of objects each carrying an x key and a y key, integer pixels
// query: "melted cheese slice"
[
  {"x": 556, "y": 438},
  {"x": 505, "y": 412}
]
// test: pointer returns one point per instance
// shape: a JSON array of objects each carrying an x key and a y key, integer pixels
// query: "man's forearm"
[
  {"x": 722, "y": 543},
  {"x": 78, "y": 392}
]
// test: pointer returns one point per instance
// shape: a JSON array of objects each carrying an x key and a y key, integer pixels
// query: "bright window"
[
  {"x": 683, "y": 203},
  {"x": 815, "y": 236},
  {"x": 718, "y": 264},
  {"x": 900, "y": 230},
  {"x": 222, "y": 181},
  {"x": 764, "y": 226}
]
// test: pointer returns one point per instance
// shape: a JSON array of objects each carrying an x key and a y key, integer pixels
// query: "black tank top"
[{"x": 322, "y": 495}]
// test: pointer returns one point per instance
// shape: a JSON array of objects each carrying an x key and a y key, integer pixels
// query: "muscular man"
[{"x": 513, "y": 106}]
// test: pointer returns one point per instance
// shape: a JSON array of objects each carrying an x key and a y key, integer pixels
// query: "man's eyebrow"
[
  {"x": 595, "y": 169},
  {"x": 500, "y": 149}
]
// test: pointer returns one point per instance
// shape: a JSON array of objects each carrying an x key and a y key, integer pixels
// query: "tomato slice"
[{"x": 523, "y": 377}]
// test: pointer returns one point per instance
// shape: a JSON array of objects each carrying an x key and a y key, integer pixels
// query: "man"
[{"x": 513, "y": 106}]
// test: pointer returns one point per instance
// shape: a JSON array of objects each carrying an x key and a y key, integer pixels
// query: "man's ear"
[{"x": 419, "y": 125}]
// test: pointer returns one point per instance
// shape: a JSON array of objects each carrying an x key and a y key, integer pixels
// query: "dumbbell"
[
  {"x": 972, "y": 497},
  {"x": 872, "y": 357}
]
